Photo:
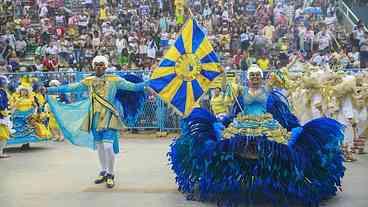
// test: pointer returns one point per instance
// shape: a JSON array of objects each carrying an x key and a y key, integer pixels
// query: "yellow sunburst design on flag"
[{"x": 187, "y": 69}]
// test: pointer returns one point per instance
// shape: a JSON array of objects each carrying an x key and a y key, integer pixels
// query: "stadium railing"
[{"x": 156, "y": 114}]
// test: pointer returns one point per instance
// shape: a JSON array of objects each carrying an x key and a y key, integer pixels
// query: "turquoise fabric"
[
  {"x": 70, "y": 118},
  {"x": 255, "y": 105},
  {"x": 21, "y": 125}
]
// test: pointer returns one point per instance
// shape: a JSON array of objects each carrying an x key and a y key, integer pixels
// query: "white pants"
[
  {"x": 346, "y": 113},
  {"x": 106, "y": 156}
]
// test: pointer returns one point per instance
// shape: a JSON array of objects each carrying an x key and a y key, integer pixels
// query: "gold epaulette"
[
  {"x": 5, "y": 113},
  {"x": 111, "y": 77},
  {"x": 88, "y": 80}
]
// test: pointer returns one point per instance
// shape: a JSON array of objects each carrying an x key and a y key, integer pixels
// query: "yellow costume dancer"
[
  {"x": 5, "y": 124},
  {"x": 53, "y": 125},
  {"x": 26, "y": 122},
  {"x": 218, "y": 105}
]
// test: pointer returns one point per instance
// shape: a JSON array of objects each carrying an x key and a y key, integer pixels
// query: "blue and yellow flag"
[{"x": 187, "y": 69}]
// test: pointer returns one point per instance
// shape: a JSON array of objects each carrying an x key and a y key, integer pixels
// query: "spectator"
[
  {"x": 123, "y": 59},
  {"x": 20, "y": 47},
  {"x": 354, "y": 56},
  {"x": 358, "y": 33},
  {"x": 244, "y": 40},
  {"x": 121, "y": 43},
  {"x": 364, "y": 51},
  {"x": 96, "y": 40},
  {"x": 3, "y": 67},
  {"x": 151, "y": 49},
  {"x": 43, "y": 11},
  {"x": 246, "y": 61},
  {"x": 269, "y": 31},
  {"x": 237, "y": 59},
  {"x": 103, "y": 14},
  {"x": 5, "y": 53},
  {"x": 324, "y": 40},
  {"x": 263, "y": 62},
  {"x": 50, "y": 63},
  {"x": 14, "y": 61}
]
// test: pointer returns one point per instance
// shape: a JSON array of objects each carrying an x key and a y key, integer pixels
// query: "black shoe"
[
  {"x": 110, "y": 183},
  {"x": 25, "y": 147},
  {"x": 101, "y": 178}
]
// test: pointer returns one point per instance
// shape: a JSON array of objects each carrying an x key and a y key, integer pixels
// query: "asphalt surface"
[{"x": 59, "y": 174}]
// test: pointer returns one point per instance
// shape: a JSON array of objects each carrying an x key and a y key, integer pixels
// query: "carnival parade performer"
[
  {"x": 96, "y": 121},
  {"x": 27, "y": 121},
  {"x": 342, "y": 92},
  {"x": 360, "y": 100},
  {"x": 338, "y": 95},
  {"x": 217, "y": 104},
  {"x": 52, "y": 123},
  {"x": 5, "y": 123},
  {"x": 260, "y": 148}
]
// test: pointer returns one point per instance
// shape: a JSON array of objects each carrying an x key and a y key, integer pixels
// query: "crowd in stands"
[{"x": 58, "y": 36}]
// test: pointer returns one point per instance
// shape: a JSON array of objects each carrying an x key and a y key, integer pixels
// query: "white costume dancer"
[
  {"x": 360, "y": 98},
  {"x": 309, "y": 102},
  {"x": 343, "y": 92}
]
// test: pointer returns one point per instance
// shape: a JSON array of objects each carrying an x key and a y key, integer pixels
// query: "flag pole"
[
  {"x": 190, "y": 11},
  {"x": 232, "y": 91}
]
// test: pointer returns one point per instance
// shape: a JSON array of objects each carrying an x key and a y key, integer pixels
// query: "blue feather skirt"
[{"x": 306, "y": 170}]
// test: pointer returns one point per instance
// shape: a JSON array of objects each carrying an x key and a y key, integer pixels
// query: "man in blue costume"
[{"x": 102, "y": 119}]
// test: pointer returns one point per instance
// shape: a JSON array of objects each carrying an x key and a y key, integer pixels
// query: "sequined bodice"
[
  {"x": 254, "y": 104},
  {"x": 254, "y": 119}
]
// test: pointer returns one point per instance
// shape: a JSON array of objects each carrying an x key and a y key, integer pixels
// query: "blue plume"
[
  {"x": 307, "y": 170},
  {"x": 278, "y": 106},
  {"x": 130, "y": 104}
]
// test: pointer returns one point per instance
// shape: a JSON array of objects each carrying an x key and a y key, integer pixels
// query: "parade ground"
[{"x": 54, "y": 174}]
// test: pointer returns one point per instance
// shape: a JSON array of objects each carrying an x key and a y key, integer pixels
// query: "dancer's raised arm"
[{"x": 74, "y": 87}]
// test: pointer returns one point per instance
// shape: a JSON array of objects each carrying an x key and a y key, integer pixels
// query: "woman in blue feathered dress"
[{"x": 259, "y": 150}]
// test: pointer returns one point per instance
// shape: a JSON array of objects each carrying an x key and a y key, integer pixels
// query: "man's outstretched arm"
[
  {"x": 129, "y": 86},
  {"x": 73, "y": 87}
]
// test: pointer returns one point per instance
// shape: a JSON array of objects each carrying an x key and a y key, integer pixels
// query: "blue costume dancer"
[
  {"x": 110, "y": 98},
  {"x": 261, "y": 150},
  {"x": 5, "y": 123}
]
